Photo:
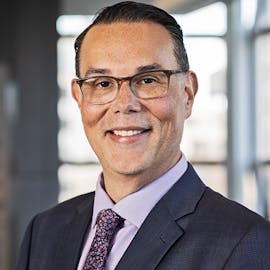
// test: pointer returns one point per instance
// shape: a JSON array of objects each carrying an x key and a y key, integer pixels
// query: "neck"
[
  {"x": 118, "y": 185},
  {"x": 121, "y": 186}
]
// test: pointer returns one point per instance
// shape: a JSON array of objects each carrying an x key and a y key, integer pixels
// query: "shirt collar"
[{"x": 144, "y": 199}]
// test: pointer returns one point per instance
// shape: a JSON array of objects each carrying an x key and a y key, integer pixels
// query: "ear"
[
  {"x": 191, "y": 89},
  {"x": 76, "y": 92}
]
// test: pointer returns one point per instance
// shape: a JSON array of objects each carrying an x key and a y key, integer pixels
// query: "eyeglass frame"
[{"x": 167, "y": 72}]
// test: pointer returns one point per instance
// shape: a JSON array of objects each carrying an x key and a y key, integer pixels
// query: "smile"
[{"x": 127, "y": 133}]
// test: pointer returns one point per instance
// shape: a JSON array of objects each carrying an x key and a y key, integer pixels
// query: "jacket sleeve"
[
  {"x": 252, "y": 252},
  {"x": 25, "y": 249}
]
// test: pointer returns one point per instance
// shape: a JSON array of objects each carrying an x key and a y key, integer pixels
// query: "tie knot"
[{"x": 108, "y": 220}]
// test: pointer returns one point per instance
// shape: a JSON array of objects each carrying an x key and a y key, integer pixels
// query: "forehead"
[{"x": 127, "y": 43}]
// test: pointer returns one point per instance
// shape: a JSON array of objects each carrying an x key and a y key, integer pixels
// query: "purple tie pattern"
[{"x": 107, "y": 224}]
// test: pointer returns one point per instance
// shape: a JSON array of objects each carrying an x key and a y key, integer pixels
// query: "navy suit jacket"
[{"x": 190, "y": 228}]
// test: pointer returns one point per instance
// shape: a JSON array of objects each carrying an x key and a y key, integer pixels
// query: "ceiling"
[{"x": 90, "y": 7}]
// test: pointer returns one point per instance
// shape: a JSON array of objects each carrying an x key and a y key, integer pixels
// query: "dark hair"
[{"x": 130, "y": 12}]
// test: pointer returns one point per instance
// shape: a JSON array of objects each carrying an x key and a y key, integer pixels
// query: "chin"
[{"x": 129, "y": 169}]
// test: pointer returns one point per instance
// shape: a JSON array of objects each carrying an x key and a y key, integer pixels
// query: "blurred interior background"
[{"x": 44, "y": 156}]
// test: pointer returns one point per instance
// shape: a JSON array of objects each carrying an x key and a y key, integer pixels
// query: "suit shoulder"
[
  {"x": 219, "y": 207},
  {"x": 68, "y": 207}
]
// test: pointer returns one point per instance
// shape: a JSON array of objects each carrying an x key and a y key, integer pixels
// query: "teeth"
[{"x": 126, "y": 133}]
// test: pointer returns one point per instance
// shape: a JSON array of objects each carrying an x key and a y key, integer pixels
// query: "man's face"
[{"x": 133, "y": 137}]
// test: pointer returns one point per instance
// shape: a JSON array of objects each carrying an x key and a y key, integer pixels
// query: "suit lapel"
[
  {"x": 73, "y": 235},
  {"x": 152, "y": 241},
  {"x": 164, "y": 225}
]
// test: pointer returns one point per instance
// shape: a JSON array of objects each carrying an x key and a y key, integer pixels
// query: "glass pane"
[
  {"x": 75, "y": 180},
  {"x": 214, "y": 176},
  {"x": 248, "y": 13},
  {"x": 200, "y": 22},
  {"x": 263, "y": 95},
  {"x": 263, "y": 10},
  {"x": 250, "y": 191},
  {"x": 72, "y": 143},
  {"x": 205, "y": 133},
  {"x": 267, "y": 180},
  {"x": 263, "y": 187},
  {"x": 72, "y": 25}
]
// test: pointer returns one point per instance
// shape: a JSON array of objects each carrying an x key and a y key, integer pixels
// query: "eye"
[
  {"x": 103, "y": 84},
  {"x": 97, "y": 83},
  {"x": 148, "y": 80}
]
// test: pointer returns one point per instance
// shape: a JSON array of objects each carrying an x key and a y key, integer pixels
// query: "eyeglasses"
[{"x": 144, "y": 85}]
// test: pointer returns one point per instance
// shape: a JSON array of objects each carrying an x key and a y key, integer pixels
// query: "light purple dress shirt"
[{"x": 134, "y": 209}]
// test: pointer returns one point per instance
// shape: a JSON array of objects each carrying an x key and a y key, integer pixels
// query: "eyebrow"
[
  {"x": 153, "y": 66},
  {"x": 91, "y": 71}
]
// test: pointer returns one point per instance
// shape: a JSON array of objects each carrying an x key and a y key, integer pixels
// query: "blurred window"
[{"x": 261, "y": 40}]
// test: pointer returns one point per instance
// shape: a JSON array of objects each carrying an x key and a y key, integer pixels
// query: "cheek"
[
  {"x": 168, "y": 110},
  {"x": 171, "y": 116},
  {"x": 91, "y": 115}
]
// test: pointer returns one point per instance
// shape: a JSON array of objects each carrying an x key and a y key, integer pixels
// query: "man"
[{"x": 150, "y": 209}]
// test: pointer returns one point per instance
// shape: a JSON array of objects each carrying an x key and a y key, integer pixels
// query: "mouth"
[{"x": 128, "y": 132}]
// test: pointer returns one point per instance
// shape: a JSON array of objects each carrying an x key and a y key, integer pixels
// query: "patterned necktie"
[{"x": 107, "y": 224}]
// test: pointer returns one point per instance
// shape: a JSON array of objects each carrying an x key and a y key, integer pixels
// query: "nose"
[{"x": 126, "y": 102}]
